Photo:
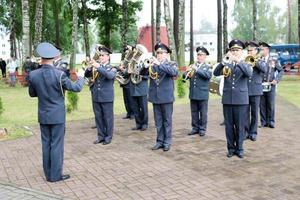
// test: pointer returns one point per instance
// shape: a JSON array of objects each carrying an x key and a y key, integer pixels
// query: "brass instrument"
[
  {"x": 252, "y": 60},
  {"x": 148, "y": 63},
  {"x": 190, "y": 71},
  {"x": 135, "y": 64},
  {"x": 120, "y": 76},
  {"x": 227, "y": 60},
  {"x": 94, "y": 72}
]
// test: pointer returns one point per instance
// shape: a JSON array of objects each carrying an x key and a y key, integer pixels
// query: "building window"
[
  {"x": 212, "y": 49},
  {"x": 204, "y": 43},
  {"x": 210, "y": 43},
  {"x": 3, "y": 45}
]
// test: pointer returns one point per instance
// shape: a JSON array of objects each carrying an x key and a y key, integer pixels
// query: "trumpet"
[
  {"x": 189, "y": 73},
  {"x": 93, "y": 73},
  {"x": 227, "y": 60},
  {"x": 148, "y": 63},
  {"x": 252, "y": 60}
]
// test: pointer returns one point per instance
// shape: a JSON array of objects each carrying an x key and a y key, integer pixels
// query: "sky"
[{"x": 203, "y": 9}]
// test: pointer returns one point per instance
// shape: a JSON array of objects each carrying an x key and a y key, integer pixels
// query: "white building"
[
  {"x": 208, "y": 40},
  {"x": 4, "y": 43}
]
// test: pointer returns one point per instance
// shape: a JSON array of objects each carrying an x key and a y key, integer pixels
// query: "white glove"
[{"x": 80, "y": 73}]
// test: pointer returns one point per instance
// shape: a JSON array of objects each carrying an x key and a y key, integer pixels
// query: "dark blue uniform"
[
  {"x": 235, "y": 101},
  {"x": 161, "y": 94},
  {"x": 139, "y": 93},
  {"x": 103, "y": 97},
  {"x": 267, "y": 101},
  {"x": 128, "y": 101},
  {"x": 47, "y": 83},
  {"x": 255, "y": 91},
  {"x": 199, "y": 94}
]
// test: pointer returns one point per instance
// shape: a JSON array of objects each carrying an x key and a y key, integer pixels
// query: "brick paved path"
[{"x": 195, "y": 168}]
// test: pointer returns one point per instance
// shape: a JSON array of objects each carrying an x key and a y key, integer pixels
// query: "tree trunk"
[
  {"x": 225, "y": 31},
  {"x": 299, "y": 21},
  {"x": 176, "y": 24},
  {"x": 124, "y": 27},
  {"x": 74, "y": 34},
  {"x": 38, "y": 22},
  {"x": 169, "y": 25},
  {"x": 181, "y": 44},
  {"x": 158, "y": 16},
  {"x": 152, "y": 27},
  {"x": 254, "y": 21},
  {"x": 26, "y": 28},
  {"x": 57, "y": 23},
  {"x": 289, "y": 21},
  {"x": 12, "y": 36},
  {"x": 85, "y": 29},
  {"x": 191, "y": 34},
  {"x": 219, "y": 30}
]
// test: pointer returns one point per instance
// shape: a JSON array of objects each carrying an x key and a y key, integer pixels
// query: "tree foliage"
[{"x": 271, "y": 24}]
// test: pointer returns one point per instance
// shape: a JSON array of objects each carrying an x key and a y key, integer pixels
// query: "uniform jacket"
[
  {"x": 273, "y": 73},
  {"x": 48, "y": 83},
  {"x": 161, "y": 90},
  {"x": 140, "y": 89},
  {"x": 255, "y": 81},
  {"x": 103, "y": 88},
  {"x": 235, "y": 91},
  {"x": 199, "y": 83}
]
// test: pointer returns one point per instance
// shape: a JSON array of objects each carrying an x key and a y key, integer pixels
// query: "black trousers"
[
  {"x": 163, "y": 122},
  {"x": 128, "y": 101},
  {"x": 104, "y": 117},
  {"x": 235, "y": 126},
  {"x": 3, "y": 71},
  {"x": 199, "y": 115},
  {"x": 252, "y": 115},
  {"x": 52, "y": 136},
  {"x": 140, "y": 107},
  {"x": 267, "y": 108}
]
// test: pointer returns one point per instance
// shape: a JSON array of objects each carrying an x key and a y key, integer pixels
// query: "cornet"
[{"x": 148, "y": 63}]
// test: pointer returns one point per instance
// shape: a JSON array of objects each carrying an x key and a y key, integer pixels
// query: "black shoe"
[
  {"x": 135, "y": 128},
  {"x": 222, "y": 124},
  {"x": 143, "y": 128},
  {"x": 62, "y": 178},
  {"x": 202, "y": 133},
  {"x": 193, "y": 133},
  {"x": 230, "y": 154},
  {"x": 271, "y": 126},
  {"x": 126, "y": 117},
  {"x": 166, "y": 148},
  {"x": 98, "y": 141},
  {"x": 157, "y": 146},
  {"x": 93, "y": 127},
  {"x": 252, "y": 138},
  {"x": 240, "y": 155},
  {"x": 263, "y": 125},
  {"x": 106, "y": 142},
  {"x": 131, "y": 117}
]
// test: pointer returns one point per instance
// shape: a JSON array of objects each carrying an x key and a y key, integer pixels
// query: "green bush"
[
  {"x": 1, "y": 106},
  {"x": 72, "y": 101},
  {"x": 180, "y": 87}
]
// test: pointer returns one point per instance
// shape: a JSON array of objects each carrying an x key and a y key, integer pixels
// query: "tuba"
[
  {"x": 120, "y": 76},
  {"x": 135, "y": 65}
]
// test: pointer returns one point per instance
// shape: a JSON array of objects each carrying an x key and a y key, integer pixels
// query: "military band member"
[
  {"x": 128, "y": 102},
  {"x": 139, "y": 92},
  {"x": 255, "y": 90},
  {"x": 48, "y": 84},
  {"x": 199, "y": 91},
  {"x": 161, "y": 95},
  {"x": 271, "y": 78},
  {"x": 235, "y": 97},
  {"x": 102, "y": 91}
]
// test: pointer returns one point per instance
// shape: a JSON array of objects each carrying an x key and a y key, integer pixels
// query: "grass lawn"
[{"x": 20, "y": 110}]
